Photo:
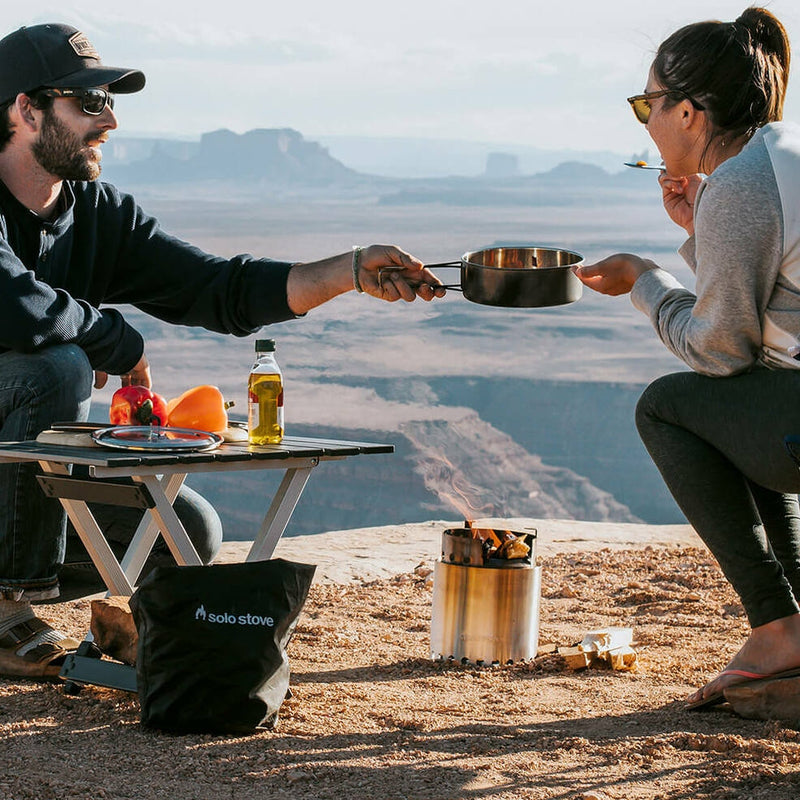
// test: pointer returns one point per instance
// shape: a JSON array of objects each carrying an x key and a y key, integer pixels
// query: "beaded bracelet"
[{"x": 356, "y": 257}]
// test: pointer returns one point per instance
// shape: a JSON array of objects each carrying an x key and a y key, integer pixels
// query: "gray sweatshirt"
[{"x": 745, "y": 254}]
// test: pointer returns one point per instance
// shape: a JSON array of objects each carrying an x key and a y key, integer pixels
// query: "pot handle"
[
  {"x": 456, "y": 286},
  {"x": 443, "y": 264}
]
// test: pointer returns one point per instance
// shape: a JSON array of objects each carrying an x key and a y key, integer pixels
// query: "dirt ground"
[{"x": 373, "y": 717}]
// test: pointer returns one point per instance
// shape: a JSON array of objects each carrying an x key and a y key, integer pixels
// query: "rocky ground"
[{"x": 372, "y": 716}]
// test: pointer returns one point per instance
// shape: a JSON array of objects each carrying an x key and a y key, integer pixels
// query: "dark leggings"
[{"x": 718, "y": 443}]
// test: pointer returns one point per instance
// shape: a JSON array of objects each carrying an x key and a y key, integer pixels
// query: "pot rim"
[{"x": 465, "y": 258}]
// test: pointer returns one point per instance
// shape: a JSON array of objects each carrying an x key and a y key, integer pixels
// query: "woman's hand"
[
  {"x": 614, "y": 275},
  {"x": 678, "y": 195},
  {"x": 387, "y": 272}
]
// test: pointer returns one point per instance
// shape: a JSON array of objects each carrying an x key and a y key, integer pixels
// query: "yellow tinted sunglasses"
[{"x": 640, "y": 103}]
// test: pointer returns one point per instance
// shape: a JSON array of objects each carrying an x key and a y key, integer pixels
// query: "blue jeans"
[
  {"x": 37, "y": 389},
  {"x": 718, "y": 443}
]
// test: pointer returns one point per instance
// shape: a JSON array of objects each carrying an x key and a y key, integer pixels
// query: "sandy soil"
[{"x": 373, "y": 717}]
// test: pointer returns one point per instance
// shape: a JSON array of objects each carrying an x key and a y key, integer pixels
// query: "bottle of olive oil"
[{"x": 265, "y": 396}]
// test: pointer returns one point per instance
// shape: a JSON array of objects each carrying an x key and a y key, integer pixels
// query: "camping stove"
[{"x": 486, "y": 591}]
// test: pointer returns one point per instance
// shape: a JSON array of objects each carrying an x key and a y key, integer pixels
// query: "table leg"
[
  {"x": 172, "y": 529},
  {"x": 279, "y": 513},
  {"x": 147, "y": 532},
  {"x": 93, "y": 539}
]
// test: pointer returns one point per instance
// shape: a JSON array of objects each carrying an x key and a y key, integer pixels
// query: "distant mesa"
[
  {"x": 560, "y": 186},
  {"x": 502, "y": 165},
  {"x": 283, "y": 157},
  {"x": 280, "y": 155},
  {"x": 575, "y": 171}
]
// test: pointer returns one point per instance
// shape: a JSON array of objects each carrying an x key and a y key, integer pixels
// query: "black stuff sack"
[{"x": 212, "y": 655}]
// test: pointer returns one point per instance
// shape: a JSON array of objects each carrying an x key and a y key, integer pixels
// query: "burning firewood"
[
  {"x": 497, "y": 543},
  {"x": 512, "y": 547}
]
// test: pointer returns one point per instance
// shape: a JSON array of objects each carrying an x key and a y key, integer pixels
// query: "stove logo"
[{"x": 227, "y": 618}]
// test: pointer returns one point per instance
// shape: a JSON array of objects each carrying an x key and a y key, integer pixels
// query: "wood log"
[{"x": 575, "y": 657}]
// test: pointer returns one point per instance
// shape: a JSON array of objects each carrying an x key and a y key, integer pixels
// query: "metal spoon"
[{"x": 637, "y": 165}]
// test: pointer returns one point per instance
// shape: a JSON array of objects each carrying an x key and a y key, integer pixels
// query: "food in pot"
[{"x": 137, "y": 405}]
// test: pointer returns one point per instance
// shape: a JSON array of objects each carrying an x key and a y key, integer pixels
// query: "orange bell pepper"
[{"x": 199, "y": 408}]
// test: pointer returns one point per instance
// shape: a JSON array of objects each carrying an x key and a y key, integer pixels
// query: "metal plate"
[{"x": 155, "y": 439}]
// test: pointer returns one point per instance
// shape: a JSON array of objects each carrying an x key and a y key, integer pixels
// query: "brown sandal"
[{"x": 43, "y": 661}]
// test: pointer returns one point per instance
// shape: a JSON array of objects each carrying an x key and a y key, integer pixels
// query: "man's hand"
[
  {"x": 139, "y": 375},
  {"x": 384, "y": 271},
  {"x": 392, "y": 274}
]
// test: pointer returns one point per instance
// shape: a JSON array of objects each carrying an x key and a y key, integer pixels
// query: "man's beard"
[{"x": 59, "y": 151}]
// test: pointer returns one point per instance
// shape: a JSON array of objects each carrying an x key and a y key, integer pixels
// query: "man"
[{"x": 69, "y": 244}]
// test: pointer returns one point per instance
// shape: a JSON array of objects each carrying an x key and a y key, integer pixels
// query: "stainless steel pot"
[{"x": 518, "y": 277}]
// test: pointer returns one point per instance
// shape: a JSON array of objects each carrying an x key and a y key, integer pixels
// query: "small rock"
[{"x": 732, "y": 610}]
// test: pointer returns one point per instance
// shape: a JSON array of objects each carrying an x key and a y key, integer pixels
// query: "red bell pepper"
[{"x": 137, "y": 405}]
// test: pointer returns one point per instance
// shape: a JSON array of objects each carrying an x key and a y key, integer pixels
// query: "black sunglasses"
[
  {"x": 640, "y": 103},
  {"x": 93, "y": 101}
]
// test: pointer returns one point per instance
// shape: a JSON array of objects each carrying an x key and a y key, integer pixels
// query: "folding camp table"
[{"x": 156, "y": 479}]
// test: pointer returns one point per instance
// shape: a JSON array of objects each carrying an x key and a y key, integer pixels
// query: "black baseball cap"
[{"x": 57, "y": 56}]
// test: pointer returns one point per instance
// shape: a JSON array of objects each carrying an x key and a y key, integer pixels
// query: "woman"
[{"x": 712, "y": 105}]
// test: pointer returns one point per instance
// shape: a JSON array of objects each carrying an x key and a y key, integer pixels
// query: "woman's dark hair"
[
  {"x": 737, "y": 71},
  {"x": 6, "y": 128}
]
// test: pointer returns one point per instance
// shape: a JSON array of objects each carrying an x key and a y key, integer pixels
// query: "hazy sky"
[{"x": 540, "y": 74}]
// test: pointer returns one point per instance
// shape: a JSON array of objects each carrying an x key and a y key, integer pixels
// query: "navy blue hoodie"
[{"x": 102, "y": 248}]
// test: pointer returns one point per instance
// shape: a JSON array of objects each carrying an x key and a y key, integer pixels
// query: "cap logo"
[{"x": 82, "y": 46}]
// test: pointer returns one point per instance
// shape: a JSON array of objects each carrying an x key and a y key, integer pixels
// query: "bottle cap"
[{"x": 265, "y": 345}]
